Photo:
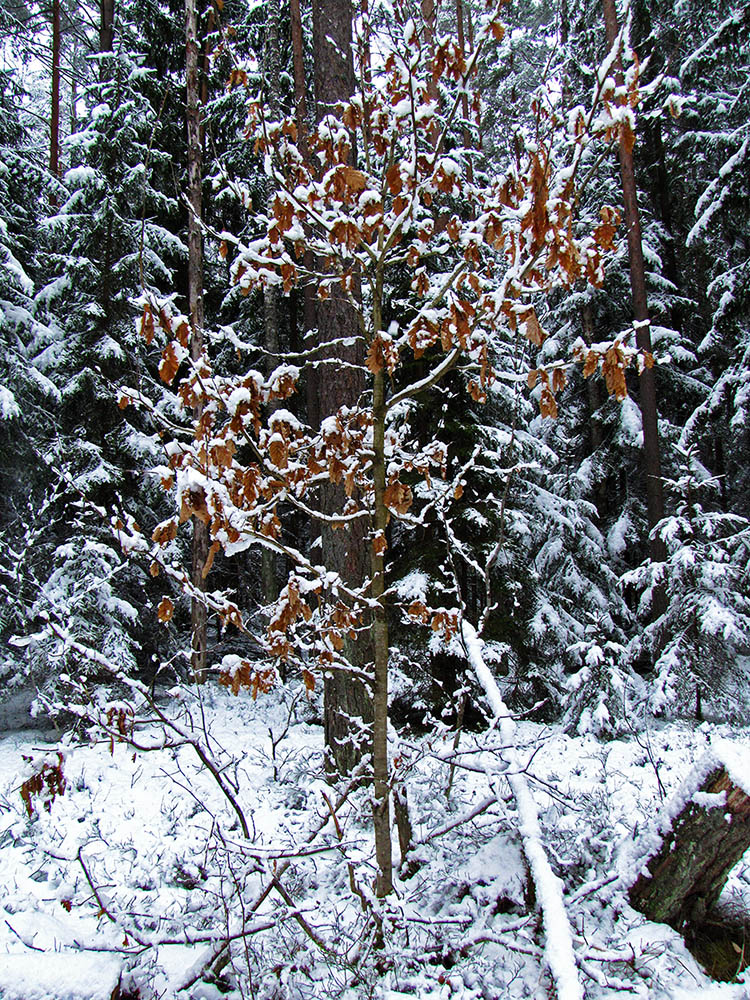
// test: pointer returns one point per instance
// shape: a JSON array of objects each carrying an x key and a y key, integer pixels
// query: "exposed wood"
[{"x": 706, "y": 840}]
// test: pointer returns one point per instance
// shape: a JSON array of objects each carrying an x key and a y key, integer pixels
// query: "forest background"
[{"x": 163, "y": 286}]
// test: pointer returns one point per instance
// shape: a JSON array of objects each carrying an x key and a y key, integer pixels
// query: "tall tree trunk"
[
  {"x": 106, "y": 25},
  {"x": 381, "y": 798},
  {"x": 106, "y": 43},
  {"x": 195, "y": 306},
  {"x": 464, "y": 96},
  {"x": 206, "y": 68},
  {"x": 346, "y": 699},
  {"x": 271, "y": 293},
  {"x": 429, "y": 16},
  {"x": 309, "y": 316},
  {"x": 54, "y": 118},
  {"x": 74, "y": 92},
  {"x": 649, "y": 413}
]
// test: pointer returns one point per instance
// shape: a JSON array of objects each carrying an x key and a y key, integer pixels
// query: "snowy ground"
[{"x": 140, "y": 870}]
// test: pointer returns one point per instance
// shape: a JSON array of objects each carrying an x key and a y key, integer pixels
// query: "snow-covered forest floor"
[{"x": 141, "y": 865}]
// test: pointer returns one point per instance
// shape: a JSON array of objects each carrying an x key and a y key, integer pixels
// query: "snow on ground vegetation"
[{"x": 140, "y": 872}]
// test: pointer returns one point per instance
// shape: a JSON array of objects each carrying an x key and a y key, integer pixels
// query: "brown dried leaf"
[
  {"x": 558, "y": 380},
  {"x": 418, "y": 610},
  {"x": 278, "y": 452},
  {"x": 355, "y": 179},
  {"x": 375, "y": 361},
  {"x": 547, "y": 403},
  {"x": 165, "y": 532},
  {"x": 165, "y": 609},
  {"x": 397, "y": 497},
  {"x": 591, "y": 364},
  {"x": 147, "y": 324},
  {"x": 169, "y": 364},
  {"x": 534, "y": 331},
  {"x": 393, "y": 179},
  {"x": 215, "y": 546}
]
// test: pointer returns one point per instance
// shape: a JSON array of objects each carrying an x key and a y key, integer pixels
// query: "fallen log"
[{"x": 698, "y": 838}]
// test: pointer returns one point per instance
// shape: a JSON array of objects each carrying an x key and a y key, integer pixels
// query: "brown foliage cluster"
[
  {"x": 44, "y": 784},
  {"x": 512, "y": 239},
  {"x": 247, "y": 676}
]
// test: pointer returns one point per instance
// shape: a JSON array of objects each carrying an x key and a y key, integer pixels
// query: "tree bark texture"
[
  {"x": 464, "y": 96},
  {"x": 195, "y": 305},
  {"x": 106, "y": 25},
  {"x": 54, "y": 118},
  {"x": 206, "y": 70},
  {"x": 309, "y": 319},
  {"x": 338, "y": 382},
  {"x": 271, "y": 303},
  {"x": 381, "y": 801},
  {"x": 649, "y": 412},
  {"x": 685, "y": 877},
  {"x": 428, "y": 33}
]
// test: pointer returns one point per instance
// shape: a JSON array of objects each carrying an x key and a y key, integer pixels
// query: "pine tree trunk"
[
  {"x": 309, "y": 318},
  {"x": 381, "y": 799},
  {"x": 106, "y": 25},
  {"x": 649, "y": 413},
  {"x": 464, "y": 97},
  {"x": 195, "y": 306},
  {"x": 74, "y": 93},
  {"x": 347, "y": 703},
  {"x": 428, "y": 28},
  {"x": 54, "y": 119},
  {"x": 206, "y": 63},
  {"x": 271, "y": 292}
]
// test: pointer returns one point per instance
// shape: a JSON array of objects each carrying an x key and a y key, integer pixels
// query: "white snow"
[
  {"x": 67, "y": 975},
  {"x": 145, "y": 822}
]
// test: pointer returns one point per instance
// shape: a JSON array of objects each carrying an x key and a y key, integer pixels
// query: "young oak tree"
[{"x": 479, "y": 253}]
